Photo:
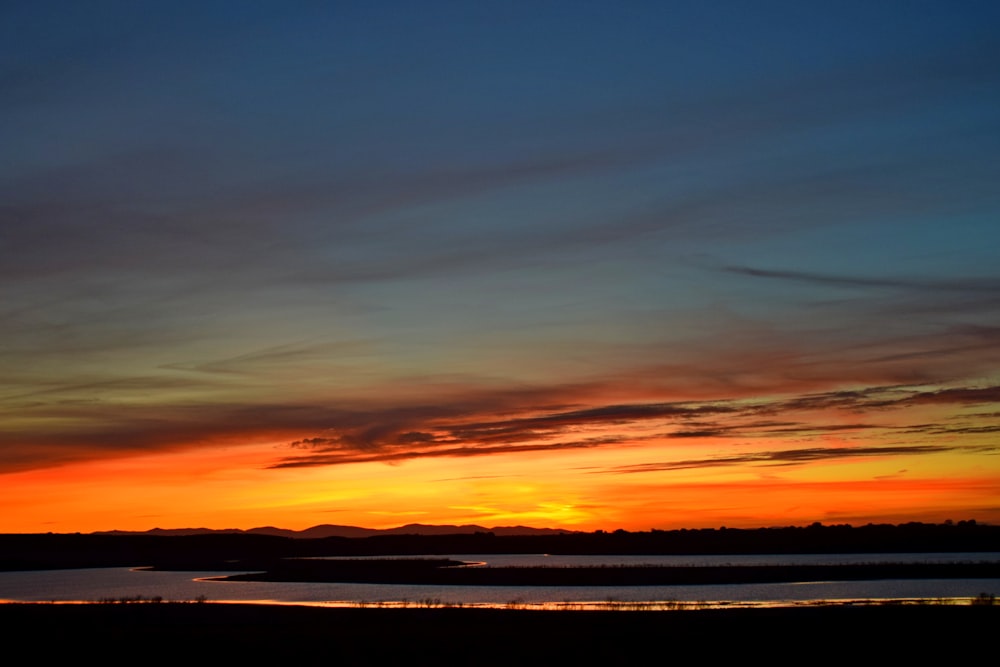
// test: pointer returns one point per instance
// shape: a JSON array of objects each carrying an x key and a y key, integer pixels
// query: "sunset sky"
[{"x": 592, "y": 265}]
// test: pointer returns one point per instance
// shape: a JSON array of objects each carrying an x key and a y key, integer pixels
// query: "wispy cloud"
[
  {"x": 456, "y": 424},
  {"x": 790, "y": 457},
  {"x": 395, "y": 440},
  {"x": 989, "y": 285}
]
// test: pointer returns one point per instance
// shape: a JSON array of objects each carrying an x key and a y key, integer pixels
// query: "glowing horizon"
[{"x": 736, "y": 470}]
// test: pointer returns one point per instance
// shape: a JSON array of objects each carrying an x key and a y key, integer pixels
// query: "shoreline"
[
  {"x": 517, "y": 604},
  {"x": 445, "y": 572}
]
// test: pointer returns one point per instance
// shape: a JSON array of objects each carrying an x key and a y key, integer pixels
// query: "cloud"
[
  {"x": 788, "y": 457},
  {"x": 736, "y": 380},
  {"x": 391, "y": 456},
  {"x": 986, "y": 285},
  {"x": 764, "y": 429},
  {"x": 394, "y": 439},
  {"x": 890, "y": 397},
  {"x": 611, "y": 425},
  {"x": 277, "y": 357},
  {"x": 961, "y": 395}
]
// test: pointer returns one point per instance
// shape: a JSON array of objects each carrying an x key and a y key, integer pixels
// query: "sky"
[{"x": 591, "y": 265}]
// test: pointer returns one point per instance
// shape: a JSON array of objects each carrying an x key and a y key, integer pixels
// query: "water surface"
[{"x": 101, "y": 584}]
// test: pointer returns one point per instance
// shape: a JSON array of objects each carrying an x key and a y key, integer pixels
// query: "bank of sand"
[{"x": 216, "y": 633}]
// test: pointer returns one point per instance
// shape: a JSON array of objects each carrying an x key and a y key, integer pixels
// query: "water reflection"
[{"x": 102, "y": 584}]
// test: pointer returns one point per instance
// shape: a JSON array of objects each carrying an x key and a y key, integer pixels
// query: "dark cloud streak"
[
  {"x": 788, "y": 457},
  {"x": 987, "y": 285}
]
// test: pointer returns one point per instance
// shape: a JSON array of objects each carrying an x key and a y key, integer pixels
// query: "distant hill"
[
  {"x": 328, "y": 530},
  {"x": 256, "y": 550}
]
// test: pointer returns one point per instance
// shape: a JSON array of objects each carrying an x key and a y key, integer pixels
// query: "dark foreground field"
[{"x": 190, "y": 633}]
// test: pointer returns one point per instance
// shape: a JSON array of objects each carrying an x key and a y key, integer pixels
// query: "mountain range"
[{"x": 328, "y": 530}]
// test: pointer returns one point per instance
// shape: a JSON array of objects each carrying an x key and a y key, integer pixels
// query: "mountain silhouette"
[{"x": 330, "y": 530}]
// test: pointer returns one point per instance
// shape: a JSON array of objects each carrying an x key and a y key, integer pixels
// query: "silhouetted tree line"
[{"x": 235, "y": 551}]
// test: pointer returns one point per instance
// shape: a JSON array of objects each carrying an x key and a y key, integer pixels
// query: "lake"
[{"x": 90, "y": 585}]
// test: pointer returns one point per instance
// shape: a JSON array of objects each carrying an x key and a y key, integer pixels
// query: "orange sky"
[{"x": 626, "y": 474}]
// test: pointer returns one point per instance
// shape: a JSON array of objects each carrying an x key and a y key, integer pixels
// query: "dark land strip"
[
  {"x": 211, "y": 633},
  {"x": 219, "y": 550},
  {"x": 449, "y": 572}
]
